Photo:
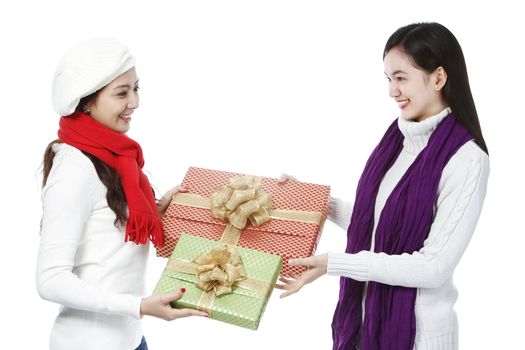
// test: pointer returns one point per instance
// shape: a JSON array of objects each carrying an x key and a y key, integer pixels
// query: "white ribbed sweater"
[
  {"x": 84, "y": 263},
  {"x": 460, "y": 196}
]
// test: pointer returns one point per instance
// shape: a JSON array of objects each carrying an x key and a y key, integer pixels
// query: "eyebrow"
[
  {"x": 124, "y": 86},
  {"x": 397, "y": 72}
]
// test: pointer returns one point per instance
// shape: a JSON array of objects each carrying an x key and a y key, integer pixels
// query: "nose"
[
  {"x": 133, "y": 101},
  {"x": 393, "y": 90}
]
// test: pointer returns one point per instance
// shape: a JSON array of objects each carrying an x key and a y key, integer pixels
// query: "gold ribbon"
[
  {"x": 217, "y": 271},
  {"x": 232, "y": 232},
  {"x": 242, "y": 199},
  {"x": 200, "y": 202}
]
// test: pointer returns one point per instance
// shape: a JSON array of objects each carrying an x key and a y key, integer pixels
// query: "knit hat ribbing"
[{"x": 85, "y": 68}]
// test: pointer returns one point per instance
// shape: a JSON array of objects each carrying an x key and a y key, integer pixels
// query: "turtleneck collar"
[{"x": 417, "y": 133}]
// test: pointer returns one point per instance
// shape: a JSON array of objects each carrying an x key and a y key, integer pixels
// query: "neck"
[
  {"x": 417, "y": 133},
  {"x": 441, "y": 105}
]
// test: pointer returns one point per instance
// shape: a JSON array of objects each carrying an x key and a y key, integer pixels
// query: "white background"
[{"x": 262, "y": 87}]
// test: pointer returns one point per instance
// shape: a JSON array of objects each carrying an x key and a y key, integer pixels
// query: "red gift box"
[{"x": 293, "y": 235}]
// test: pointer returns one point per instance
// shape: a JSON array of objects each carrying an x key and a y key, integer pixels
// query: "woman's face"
[
  {"x": 417, "y": 93},
  {"x": 116, "y": 102}
]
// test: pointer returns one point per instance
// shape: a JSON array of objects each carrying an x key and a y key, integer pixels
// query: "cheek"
[
  {"x": 116, "y": 108},
  {"x": 415, "y": 92}
]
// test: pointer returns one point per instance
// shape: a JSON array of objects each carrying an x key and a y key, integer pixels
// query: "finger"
[
  {"x": 285, "y": 294},
  {"x": 286, "y": 279},
  {"x": 282, "y": 286},
  {"x": 292, "y": 290},
  {"x": 189, "y": 312}
]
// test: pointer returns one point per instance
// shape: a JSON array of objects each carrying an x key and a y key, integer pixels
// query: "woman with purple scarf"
[{"x": 416, "y": 205}]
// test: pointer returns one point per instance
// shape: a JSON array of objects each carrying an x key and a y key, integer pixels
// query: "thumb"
[
  {"x": 299, "y": 262},
  {"x": 177, "y": 189},
  {"x": 174, "y": 191},
  {"x": 180, "y": 188},
  {"x": 285, "y": 177},
  {"x": 172, "y": 296}
]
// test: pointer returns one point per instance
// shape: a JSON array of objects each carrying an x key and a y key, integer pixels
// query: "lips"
[
  {"x": 125, "y": 117},
  {"x": 403, "y": 103}
]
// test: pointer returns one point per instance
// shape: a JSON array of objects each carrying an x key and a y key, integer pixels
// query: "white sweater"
[
  {"x": 84, "y": 263},
  {"x": 460, "y": 196}
]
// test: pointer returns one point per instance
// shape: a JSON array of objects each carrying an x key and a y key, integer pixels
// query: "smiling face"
[
  {"x": 417, "y": 93},
  {"x": 116, "y": 102}
]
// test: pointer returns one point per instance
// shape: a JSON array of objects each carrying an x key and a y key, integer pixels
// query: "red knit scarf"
[{"x": 125, "y": 156}]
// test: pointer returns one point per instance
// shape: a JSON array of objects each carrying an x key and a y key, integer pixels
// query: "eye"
[
  {"x": 136, "y": 89},
  {"x": 400, "y": 78},
  {"x": 122, "y": 94},
  {"x": 388, "y": 79}
]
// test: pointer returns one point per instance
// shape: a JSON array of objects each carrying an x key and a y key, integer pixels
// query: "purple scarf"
[{"x": 403, "y": 226}]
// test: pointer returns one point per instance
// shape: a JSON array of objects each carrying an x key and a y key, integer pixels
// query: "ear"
[
  {"x": 86, "y": 108},
  {"x": 440, "y": 77}
]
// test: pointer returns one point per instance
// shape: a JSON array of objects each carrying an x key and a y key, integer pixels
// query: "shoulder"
[
  {"x": 69, "y": 155},
  {"x": 470, "y": 164},
  {"x": 71, "y": 166},
  {"x": 469, "y": 156},
  {"x": 65, "y": 150}
]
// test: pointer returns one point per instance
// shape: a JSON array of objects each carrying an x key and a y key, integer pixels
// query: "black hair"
[
  {"x": 432, "y": 45},
  {"x": 108, "y": 176}
]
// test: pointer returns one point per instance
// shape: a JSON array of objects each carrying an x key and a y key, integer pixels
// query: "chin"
[
  {"x": 407, "y": 116},
  {"x": 410, "y": 116},
  {"x": 120, "y": 129}
]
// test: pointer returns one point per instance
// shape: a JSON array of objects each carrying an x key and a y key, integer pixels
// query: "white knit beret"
[{"x": 85, "y": 68}]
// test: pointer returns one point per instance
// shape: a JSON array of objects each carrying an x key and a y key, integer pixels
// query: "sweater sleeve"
[
  {"x": 340, "y": 212},
  {"x": 459, "y": 202},
  {"x": 67, "y": 205}
]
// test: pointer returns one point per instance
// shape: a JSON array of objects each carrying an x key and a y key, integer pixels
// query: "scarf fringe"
[{"x": 141, "y": 226}]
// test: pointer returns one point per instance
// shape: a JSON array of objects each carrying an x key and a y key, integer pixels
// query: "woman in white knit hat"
[{"x": 99, "y": 212}]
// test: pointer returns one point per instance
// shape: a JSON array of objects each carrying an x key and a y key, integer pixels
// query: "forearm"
[
  {"x": 407, "y": 270},
  {"x": 60, "y": 285}
]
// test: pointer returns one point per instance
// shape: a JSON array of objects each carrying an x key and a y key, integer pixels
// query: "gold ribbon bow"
[
  {"x": 242, "y": 199},
  {"x": 218, "y": 269},
  {"x": 216, "y": 272}
]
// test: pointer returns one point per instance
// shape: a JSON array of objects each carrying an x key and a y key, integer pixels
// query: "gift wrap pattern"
[
  {"x": 293, "y": 238},
  {"x": 243, "y": 307}
]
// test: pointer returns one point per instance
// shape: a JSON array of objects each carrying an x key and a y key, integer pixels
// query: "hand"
[
  {"x": 285, "y": 177},
  {"x": 158, "y": 305},
  {"x": 165, "y": 200},
  {"x": 317, "y": 267}
]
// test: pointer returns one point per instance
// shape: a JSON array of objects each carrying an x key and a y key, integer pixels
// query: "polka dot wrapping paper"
[
  {"x": 243, "y": 307},
  {"x": 286, "y": 238}
]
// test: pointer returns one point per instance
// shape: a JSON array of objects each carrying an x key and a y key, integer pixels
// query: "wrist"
[
  {"x": 324, "y": 263},
  {"x": 144, "y": 311},
  {"x": 142, "y": 307}
]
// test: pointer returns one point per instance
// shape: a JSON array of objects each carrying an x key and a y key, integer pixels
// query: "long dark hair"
[
  {"x": 431, "y": 45},
  {"x": 107, "y": 175}
]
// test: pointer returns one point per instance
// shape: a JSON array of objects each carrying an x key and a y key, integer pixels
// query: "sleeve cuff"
[
  {"x": 355, "y": 266},
  {"x": 339, "y": 212},
  {"x": 128, "y": 305}
]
